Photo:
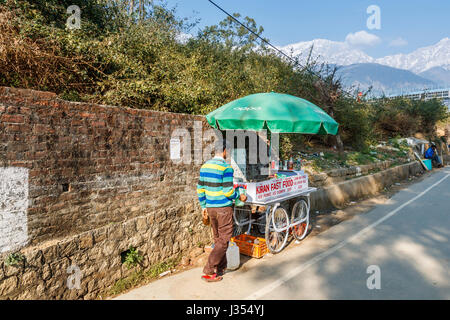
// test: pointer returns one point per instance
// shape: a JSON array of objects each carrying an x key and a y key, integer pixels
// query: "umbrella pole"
[{"x": 274, "y": 152}]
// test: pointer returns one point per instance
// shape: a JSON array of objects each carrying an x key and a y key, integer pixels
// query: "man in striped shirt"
[{"x": 216, "y": 194}]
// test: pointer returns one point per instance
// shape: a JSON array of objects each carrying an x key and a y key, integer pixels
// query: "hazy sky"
[{"x": 405, "y": 24}]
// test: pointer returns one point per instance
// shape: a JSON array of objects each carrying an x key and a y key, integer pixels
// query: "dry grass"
[{"x": 35, "y": 63}]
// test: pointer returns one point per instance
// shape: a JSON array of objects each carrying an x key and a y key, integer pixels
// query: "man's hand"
[
  {"x": 204, "y": 213},
  {"x": 243, "y": 197}
]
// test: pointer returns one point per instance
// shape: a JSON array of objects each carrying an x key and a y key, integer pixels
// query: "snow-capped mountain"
[
  {"x": 422, "y": 59},
  {"x": 341, "y": 53},
  {"x": 424, "y": 68},
  {"x": 331, "y": 52}
]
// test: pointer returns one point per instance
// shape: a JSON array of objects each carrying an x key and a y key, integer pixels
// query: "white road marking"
[{"x": 294, "y": 272}]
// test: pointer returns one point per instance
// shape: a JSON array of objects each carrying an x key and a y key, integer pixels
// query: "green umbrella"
[{"x": 276, "y": 112}]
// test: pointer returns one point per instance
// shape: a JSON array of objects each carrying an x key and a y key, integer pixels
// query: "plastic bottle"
[
  {"x": 298, "y": 164},
  {"x": 291, "y": 164},
  {"x": 233, "y": 258}
]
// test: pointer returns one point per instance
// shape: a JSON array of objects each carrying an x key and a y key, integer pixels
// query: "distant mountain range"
[
  {"x": 440, "y": 75},
  {"x": 423, "y": 68},
  {"x": 382, "y": 79}
]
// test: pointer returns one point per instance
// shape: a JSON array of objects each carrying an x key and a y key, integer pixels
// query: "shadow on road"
[{"x": 411, "y": 249}]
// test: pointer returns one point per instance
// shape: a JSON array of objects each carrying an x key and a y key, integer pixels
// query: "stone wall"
[
  {"x": 446, "y": 159},
  {"x": 98, "y": 179},
  {"x": 47, "y": 268},
  {"x": 338, "y": 175},
  {"x": 339, "y": 194}
]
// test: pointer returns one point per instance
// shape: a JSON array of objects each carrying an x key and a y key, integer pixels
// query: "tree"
[
  {"x": 329, "y": 88},
  {"x": 234, "y": 35}
]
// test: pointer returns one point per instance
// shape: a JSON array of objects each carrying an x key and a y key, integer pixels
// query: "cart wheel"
[
  {"x": 300, "y": 212},
  {"x": 242, "y": 221},
  {"x": 277, "y": 240}
]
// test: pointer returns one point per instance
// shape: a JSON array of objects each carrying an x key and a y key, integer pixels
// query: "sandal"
[{"x": 212, "y": 277}]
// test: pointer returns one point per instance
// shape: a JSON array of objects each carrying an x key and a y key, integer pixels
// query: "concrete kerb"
[
  {"x": 337, "y": 195},
  {"x": 446, "y": 159}
]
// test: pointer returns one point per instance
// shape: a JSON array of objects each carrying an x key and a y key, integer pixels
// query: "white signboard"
[
  {"x": 175, "y": 149},
  {"x": 13, "y": 208},
  {"x": 276, "y": 188}
]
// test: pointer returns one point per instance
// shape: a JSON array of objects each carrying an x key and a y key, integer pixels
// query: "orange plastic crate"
[{"x": 250, "y": 248}]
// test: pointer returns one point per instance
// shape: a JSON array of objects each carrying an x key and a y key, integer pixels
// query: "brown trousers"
[{"x": 222, "y": 225}]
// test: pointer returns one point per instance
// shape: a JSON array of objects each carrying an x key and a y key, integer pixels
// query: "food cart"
[
  {"x": 278, "y": 218},
  {"x": 278, "y": 205}
]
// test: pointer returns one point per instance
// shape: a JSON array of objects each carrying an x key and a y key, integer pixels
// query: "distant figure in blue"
[{"x": 432, "y": 154}]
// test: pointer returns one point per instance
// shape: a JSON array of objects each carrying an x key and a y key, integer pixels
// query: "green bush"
[
  {"x": 131, "y": 258},
  {"x": 137, "y": 61},
  {"x": 404, "y": 117},
  {"x": 290, "y": 144},
  {"x": 14, "y": 259},
  {"x": 356, "y": 123}
]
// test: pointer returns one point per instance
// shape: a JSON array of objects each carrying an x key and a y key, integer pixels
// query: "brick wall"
[{"x": 99, "y": 179}]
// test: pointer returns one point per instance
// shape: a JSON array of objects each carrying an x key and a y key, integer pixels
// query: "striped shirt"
[{"x": 215, "y": 186}]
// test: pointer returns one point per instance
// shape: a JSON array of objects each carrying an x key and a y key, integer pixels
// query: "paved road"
[{"x": 407, "y": 238}]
